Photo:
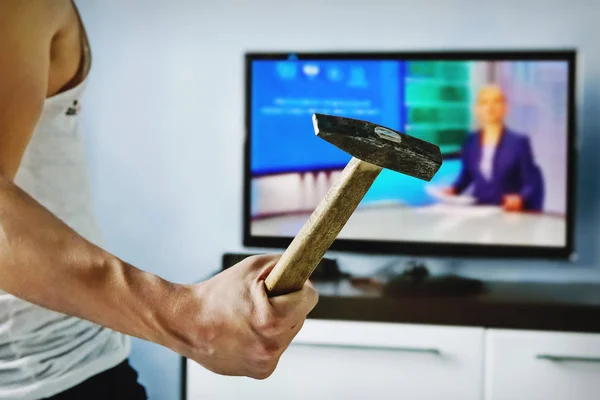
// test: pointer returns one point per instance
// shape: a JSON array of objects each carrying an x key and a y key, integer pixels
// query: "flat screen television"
[{"x": 504, "y": 121}]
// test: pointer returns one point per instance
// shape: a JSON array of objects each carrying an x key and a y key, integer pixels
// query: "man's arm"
[
  {"x": 227, "y": 323},
  {"x": 41, "y": 259},
  {"x": 46, "y": 263}
]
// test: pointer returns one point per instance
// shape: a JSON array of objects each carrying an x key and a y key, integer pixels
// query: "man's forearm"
[{"x": 45, "y": 262}]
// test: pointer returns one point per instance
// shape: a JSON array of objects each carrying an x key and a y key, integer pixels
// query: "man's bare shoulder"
[
  {"x": 34, "y": 17},
  {"x": 27, "y": 31}
]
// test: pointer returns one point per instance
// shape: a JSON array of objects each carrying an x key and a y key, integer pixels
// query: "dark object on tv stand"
[
  {"x": 327, "y": 270},
  {"x": 416, "y": 281}
]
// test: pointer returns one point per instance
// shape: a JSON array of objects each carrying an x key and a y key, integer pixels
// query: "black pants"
[{"x": 118, "y": 383}]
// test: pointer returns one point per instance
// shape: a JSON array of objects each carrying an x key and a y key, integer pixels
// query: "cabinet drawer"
[
  {"x": 354, "y": 360},
  {"x": 542, "y": 365}
]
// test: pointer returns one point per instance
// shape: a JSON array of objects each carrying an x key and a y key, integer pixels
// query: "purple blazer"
[{"x": 514, "y": 171}]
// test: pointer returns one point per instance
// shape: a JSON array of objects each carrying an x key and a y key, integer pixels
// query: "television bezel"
[{"x": 421, "y": 248}]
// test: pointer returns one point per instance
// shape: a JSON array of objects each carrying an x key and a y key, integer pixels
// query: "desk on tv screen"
[{"x": 438, "y": 224}]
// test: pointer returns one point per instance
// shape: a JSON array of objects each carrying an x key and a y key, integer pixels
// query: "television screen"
[{"x": 503, "y": 122}]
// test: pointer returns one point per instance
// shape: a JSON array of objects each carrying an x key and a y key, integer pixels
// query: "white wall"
[{"x": 164, "y": 116}]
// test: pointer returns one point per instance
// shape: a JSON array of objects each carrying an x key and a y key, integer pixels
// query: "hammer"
[{"x": 372, "y": 147}]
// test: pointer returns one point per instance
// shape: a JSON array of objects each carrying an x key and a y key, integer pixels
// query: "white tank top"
[{"x": 44, "y": 352}]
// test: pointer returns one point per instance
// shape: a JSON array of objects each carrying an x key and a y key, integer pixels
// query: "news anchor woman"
[{"x": 497, "y": 161}]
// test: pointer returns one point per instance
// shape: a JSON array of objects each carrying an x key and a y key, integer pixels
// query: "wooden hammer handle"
[{"x": 316, "y": 236}]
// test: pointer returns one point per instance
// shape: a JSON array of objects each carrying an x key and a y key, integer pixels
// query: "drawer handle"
[
  {"x": 551, "y": 357},
  {"x": 424, "y": 350}
]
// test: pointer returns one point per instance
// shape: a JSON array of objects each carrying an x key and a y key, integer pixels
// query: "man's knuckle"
[
  {"x": 269, "y": 325},
  {"x": 314, "y": 296},
  {"x": 265, "y": 370},
  {"x": 259, "y": 370},
  {"x": 262, "y": 375},
  {"x": 266, "y": 352}
]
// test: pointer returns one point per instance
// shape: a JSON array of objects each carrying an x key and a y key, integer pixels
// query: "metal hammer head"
[{"x": 380, "y": 146}]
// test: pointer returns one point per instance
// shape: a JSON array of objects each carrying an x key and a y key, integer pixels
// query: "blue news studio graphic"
[{"x": 286, "y": 93}]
